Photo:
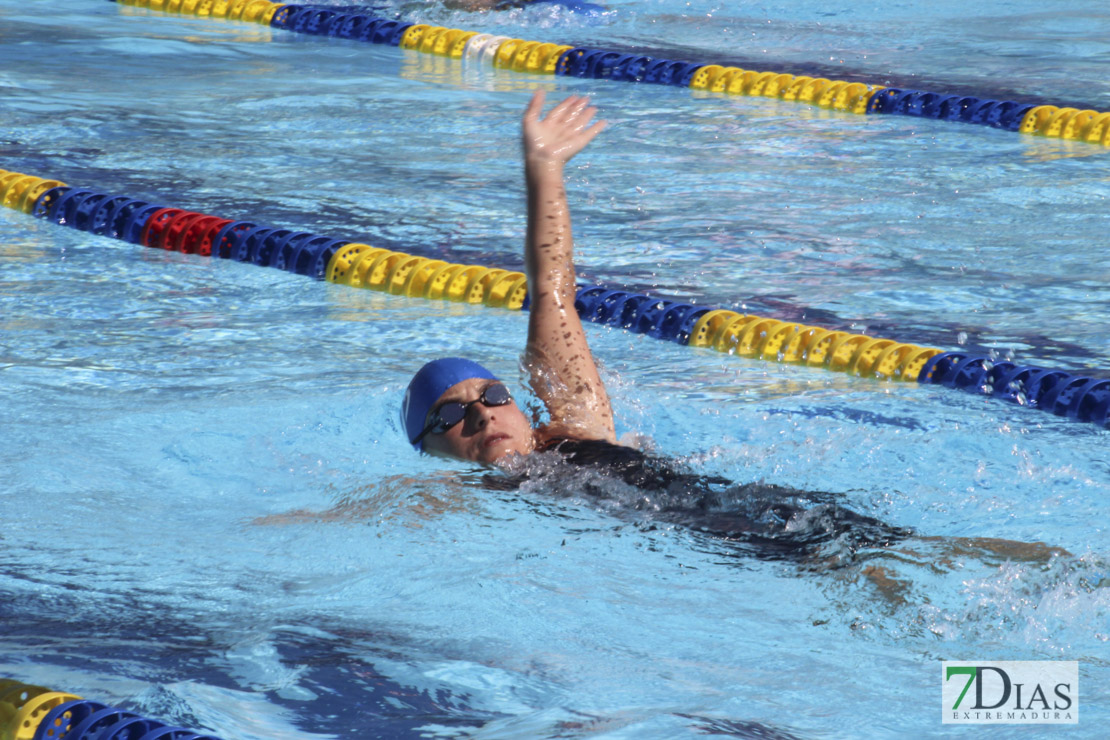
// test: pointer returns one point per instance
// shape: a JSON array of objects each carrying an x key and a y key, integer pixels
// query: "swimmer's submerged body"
[
  {"x": 576, "y": 6},
  {"x": 457, "y": 408},
  {"x": 764, "y": 521}
]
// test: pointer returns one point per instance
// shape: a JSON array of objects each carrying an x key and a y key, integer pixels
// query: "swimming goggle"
[{"x": 451, "y": 413}]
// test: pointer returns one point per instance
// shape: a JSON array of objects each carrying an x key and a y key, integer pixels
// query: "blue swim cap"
[{"x": 428, "y": 385}]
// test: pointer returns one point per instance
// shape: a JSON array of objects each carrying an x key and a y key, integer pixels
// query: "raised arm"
[{"x": 563, "y": 373}]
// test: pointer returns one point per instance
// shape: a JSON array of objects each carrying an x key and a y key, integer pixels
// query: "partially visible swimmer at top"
[{"x": 577, "y": 6}]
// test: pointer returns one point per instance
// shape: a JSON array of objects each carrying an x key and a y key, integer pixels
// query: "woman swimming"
[{"x": 455, "y": 407}]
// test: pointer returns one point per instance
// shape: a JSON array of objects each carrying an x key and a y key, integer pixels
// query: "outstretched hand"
[{"x": 566, "y": 130}]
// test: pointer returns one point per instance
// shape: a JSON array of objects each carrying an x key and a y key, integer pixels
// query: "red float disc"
[
  {"x": 170, "y": 237},
  {"x": 206, "y": 233},
  {"x": 189, "y": 241},
  {"x": 154, "y": 225}
]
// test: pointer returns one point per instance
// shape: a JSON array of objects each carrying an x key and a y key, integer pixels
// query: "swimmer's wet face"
[{"x": 487, "y": 431}]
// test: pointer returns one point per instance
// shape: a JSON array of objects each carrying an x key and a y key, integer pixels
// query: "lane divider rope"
[
  {"x": 29, "y": 712},
  {"x": 538, "y": 57},
  {"x": 364, "y": 266}
]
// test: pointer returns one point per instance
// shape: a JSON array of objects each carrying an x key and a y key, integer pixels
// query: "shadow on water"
[
  {"x": 317, "y": 679},
  {"x": 163, "y": 650}
]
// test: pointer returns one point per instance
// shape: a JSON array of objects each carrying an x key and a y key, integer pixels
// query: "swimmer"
[
  {"x": 577, "y": 6},
  {"x": 471, "y": 4},
  {"x": 457, "y": 408}
]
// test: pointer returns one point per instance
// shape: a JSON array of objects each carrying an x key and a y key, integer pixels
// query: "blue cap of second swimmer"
[{"x": 428, "y": 385}]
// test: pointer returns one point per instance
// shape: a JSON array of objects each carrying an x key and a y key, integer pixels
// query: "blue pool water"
[{"x": 176, "y": 429}]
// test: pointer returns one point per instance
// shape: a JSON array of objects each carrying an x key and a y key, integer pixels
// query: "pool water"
[{"x": 208, "y": 513}]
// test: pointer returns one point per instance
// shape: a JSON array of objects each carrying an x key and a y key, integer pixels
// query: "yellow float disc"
[
  {"x": 778, "y": 85},
  {"x": 219, "y": 8},
  {"x": 268, "y": 16},
  {"x": 730, "y": 334},
  {"x": 6, "y": 180},
  {"x": 430, "y": 38},
  {"x": 362, "y": 270},
  {"x": 26, "y": 722},
  {"x": 551, "y": 59},
  {"x": 912, "y": 364},
  {"x": 33, "y": 193},
  {"x": 865, "y": 99},
  {"x": 1036, "y": 118},
  {"x": 752, "y": 337},
  {"x": 397, "y": 278},
  {"x": 829, "y": 93},
  {"x": 760, "y": 83},
  {"x": 436, "y": 285},
  {"x": 1093, "y": 128},
  {"x": 889, "y": 362},
  {"x": 819, "y": 344},
  {"x": 863, "y": 360},
  {"x": 342, "y": 260},
  {"x": 704, "y": 77},
  {"x": 505, "y": 52},
  {"x": 811, "y": 91},
  {"x": 446, "y": 41},
  {"x": 842, "y": 350},
  {"x": 458, "y": 46},
  {"x": 521, "y": 54},
  {"x": 537, "y": 57},
  {"x": 794, "y": 348},
  {"x": 721, "y": 82},
  {"x": 13, "y": 193},
  {"x": 378, "y": 272},
  {"x": 777, "y": 338},
  {"x": 455, "y": 290},
  {"x": 501, "y": 290},
  {"x": 1059, "y": 120},
  {"x": 853, "y": 98},
  {"x": 478, "y": 290},
  {"x": 709, "y": 325},
  {"x": 412, "y": 36},
  {"x": 254, "y": 10},
  {"x": 418, "y": 276},
  {"x": 791, "y": 91}
]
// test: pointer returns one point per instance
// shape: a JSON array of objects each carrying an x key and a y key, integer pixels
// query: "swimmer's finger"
[
  {"x": 580, "y": 119},
  {"x": 535, "y": 105},
  {"x": 566, "y": 109},
  {"x": 588, "y": 135}
]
